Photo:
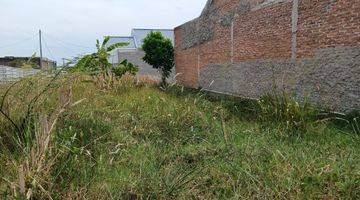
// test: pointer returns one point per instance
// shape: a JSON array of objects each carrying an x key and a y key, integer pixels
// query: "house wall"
[{"x": 247, "y": 47}]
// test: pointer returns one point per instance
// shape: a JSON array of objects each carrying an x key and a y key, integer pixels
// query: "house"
[
  {"x": 133, "y": 53},
  {"x": 246, "y": 48}
]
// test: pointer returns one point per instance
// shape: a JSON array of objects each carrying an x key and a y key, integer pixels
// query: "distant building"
[
  {"x": 13, "y": 61},
  {"x": 133, "y": 52}
]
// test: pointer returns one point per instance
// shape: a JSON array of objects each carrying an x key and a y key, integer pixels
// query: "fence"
[{"x": 10, "y": 74}]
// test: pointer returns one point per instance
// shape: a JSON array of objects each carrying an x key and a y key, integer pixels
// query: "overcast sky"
[{"x": 71, "y": 27}]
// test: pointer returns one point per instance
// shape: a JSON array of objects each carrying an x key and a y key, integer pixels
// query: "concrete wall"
[
  {"x": 244, "y": 47},
  {"x": 11, "y": 74}
]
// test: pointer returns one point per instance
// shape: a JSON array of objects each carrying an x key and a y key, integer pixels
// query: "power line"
[
  {"x": 68, "y": 43},
  {"x": 45, "y": 40},
  {"x": 63, "y": 46},
  {"x": 48, "y": 49},
  {"x": 18, "y": 42}
]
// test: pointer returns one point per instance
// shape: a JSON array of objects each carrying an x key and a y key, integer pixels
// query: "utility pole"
[{"x": 41, "y": 55}]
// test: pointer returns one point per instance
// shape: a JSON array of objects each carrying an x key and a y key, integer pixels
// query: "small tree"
[{"x": 159, "y": 53}]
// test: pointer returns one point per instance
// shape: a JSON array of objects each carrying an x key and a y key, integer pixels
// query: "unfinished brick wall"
[{"x": 243, "y": 47}]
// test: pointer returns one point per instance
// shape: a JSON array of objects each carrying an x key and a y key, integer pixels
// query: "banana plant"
[{"x": 99, "y": 66}]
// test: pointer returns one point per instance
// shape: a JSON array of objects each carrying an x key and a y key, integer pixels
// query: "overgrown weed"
[
  {"x": 292, "y": 118},
  {"x": 137, "y": 141}
]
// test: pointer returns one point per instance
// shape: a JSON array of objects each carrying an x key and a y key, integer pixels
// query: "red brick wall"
[
  {"x": 325, "y": 24},
  {"x": 263, "y": 33},
  {"x": 218, "y": 49},
  {"x": 186, "y": 63},
  {"x": 266, "y": 33}
]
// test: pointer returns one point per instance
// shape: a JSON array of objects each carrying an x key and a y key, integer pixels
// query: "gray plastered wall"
[
  {"x": 331, "y": 79},
  {"x": 136, "y": 57}
]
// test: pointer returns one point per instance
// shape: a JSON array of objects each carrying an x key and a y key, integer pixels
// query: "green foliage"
[
  {"x": 125, "y": 67},
  {"x": 97, "y": 64},
  {"x": 86, "y": 63},
  {"x": 159, "y": 52}
]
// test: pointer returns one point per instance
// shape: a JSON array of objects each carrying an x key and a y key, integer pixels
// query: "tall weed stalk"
[{"x": 29, "y": 148}]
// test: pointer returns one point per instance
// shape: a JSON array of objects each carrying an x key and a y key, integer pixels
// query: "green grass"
[{"x": 140, "y": 142}]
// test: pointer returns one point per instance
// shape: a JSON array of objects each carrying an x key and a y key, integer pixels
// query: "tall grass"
[
  {"x": 137, "y": 141},
  {"x": 281, "y": 109},
  {"x": 31, "y": 110}
]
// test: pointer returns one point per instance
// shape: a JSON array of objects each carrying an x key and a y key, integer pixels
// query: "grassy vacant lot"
[{"x": 138, "y": 141}]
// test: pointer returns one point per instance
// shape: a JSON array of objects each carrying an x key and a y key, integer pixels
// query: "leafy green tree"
[
  {"x": 159, "y": 53},
  {"x": 99, "y": 66}
]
